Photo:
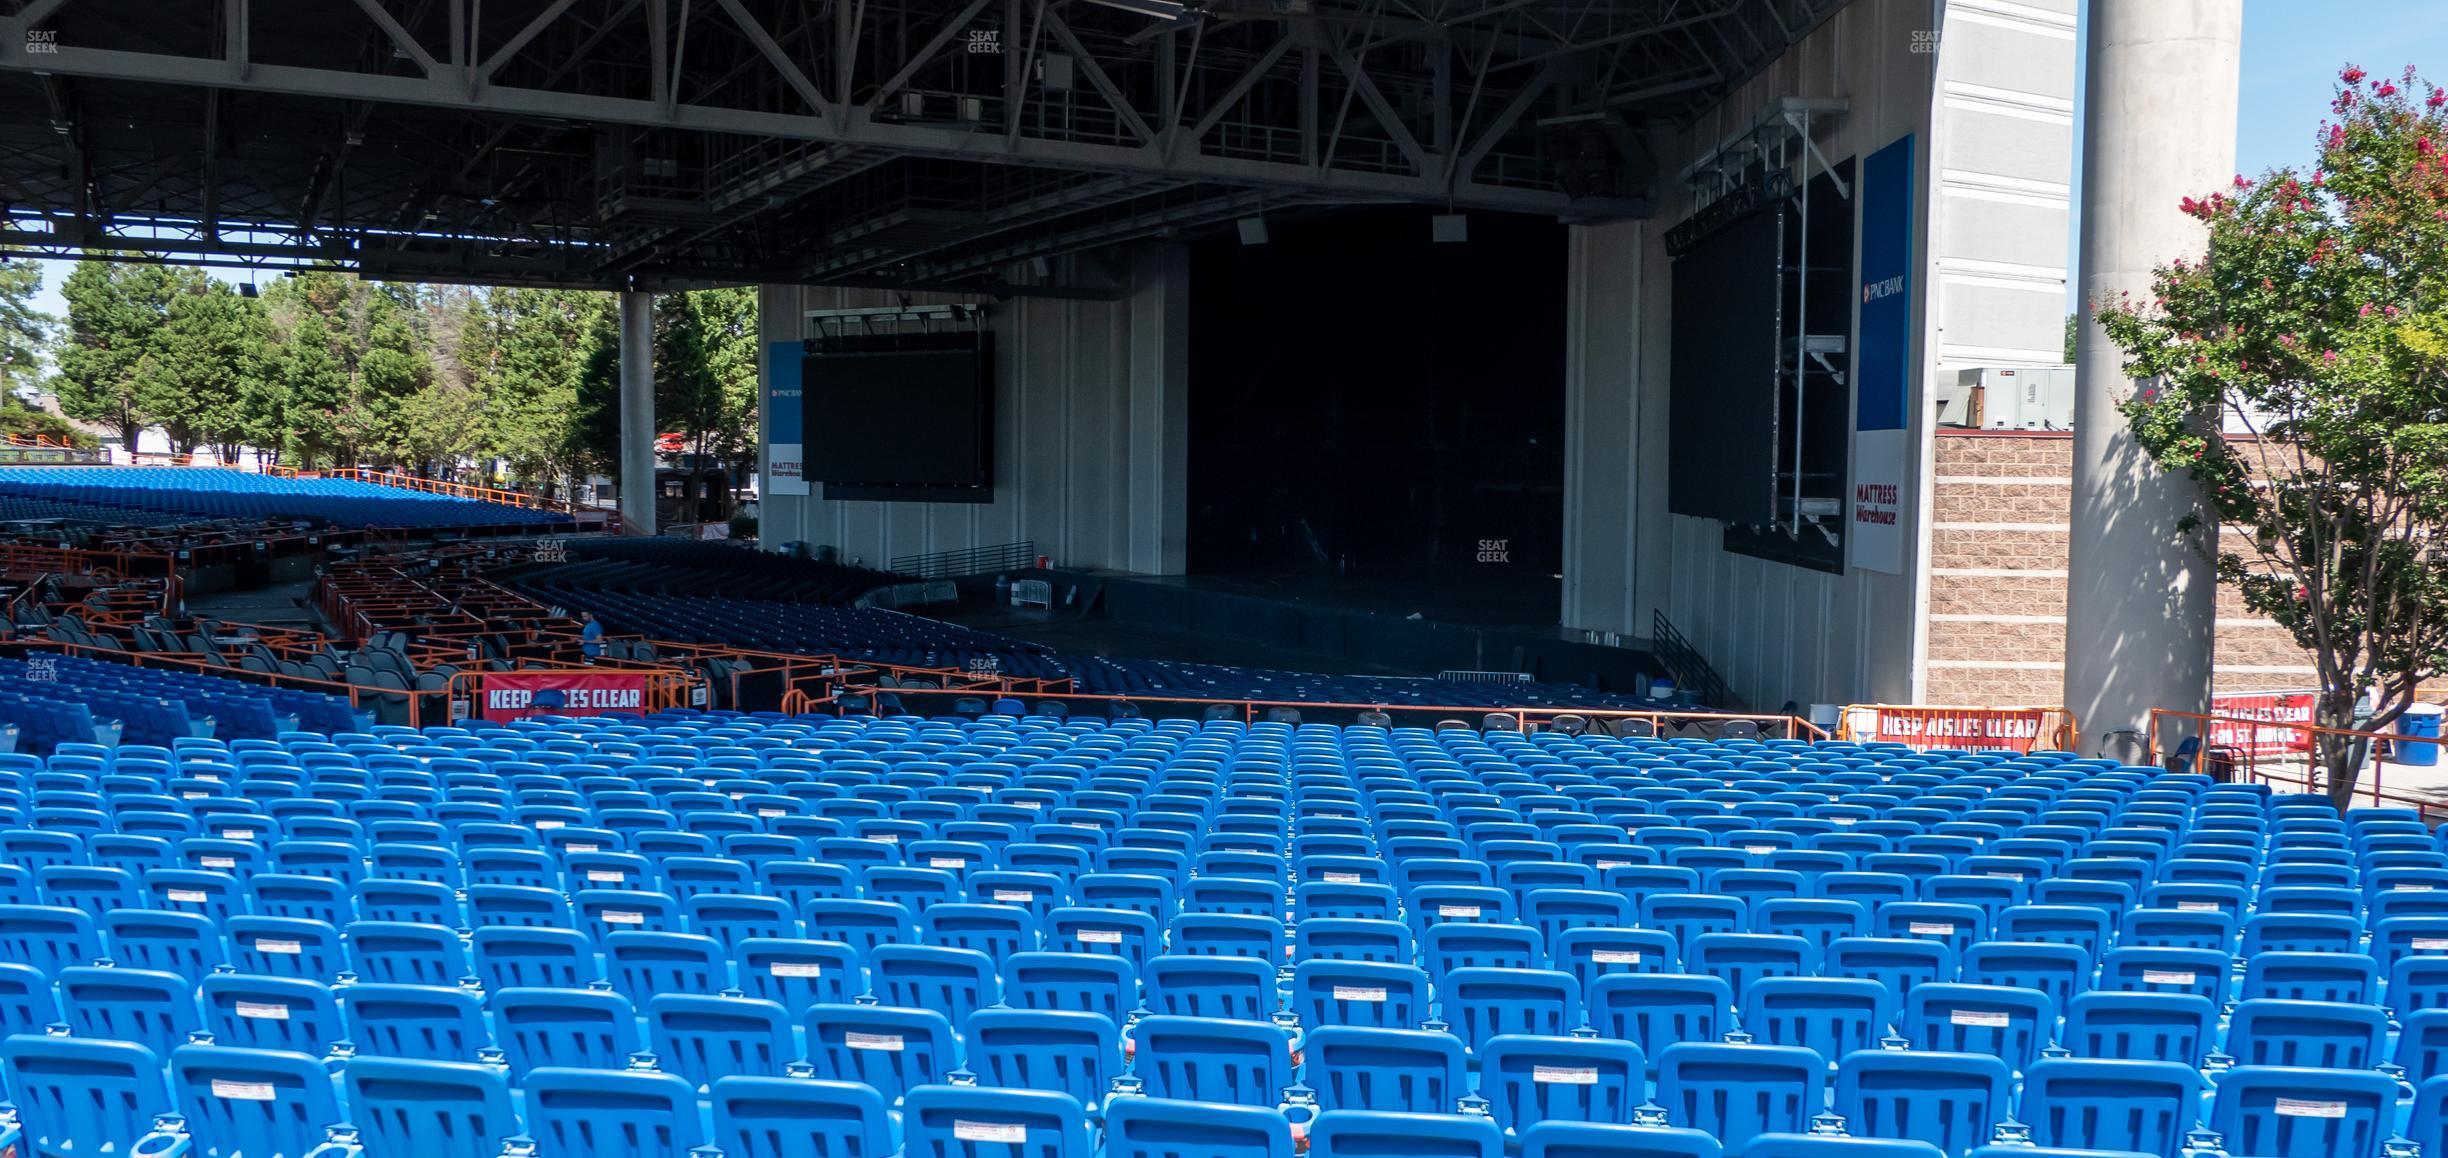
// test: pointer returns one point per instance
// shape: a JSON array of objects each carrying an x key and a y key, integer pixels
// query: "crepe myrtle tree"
[{"x": 2298, "y": 371}]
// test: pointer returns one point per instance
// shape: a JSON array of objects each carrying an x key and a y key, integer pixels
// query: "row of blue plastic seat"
[{"x": 1755, "y": 1101}]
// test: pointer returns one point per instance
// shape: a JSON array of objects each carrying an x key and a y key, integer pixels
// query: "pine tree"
[
  {"x": 115, "y": 317},
  {"x": 23, "y": 329}
]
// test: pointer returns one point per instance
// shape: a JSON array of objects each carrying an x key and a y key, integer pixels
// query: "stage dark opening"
[{"x": 1373, "y": 412}]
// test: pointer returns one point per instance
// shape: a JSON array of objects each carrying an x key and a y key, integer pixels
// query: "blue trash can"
[{"x": 2420, "y": 725}]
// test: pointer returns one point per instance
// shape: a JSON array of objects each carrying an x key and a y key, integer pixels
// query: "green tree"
[
  {"x": 115, "y": 317},
  {"x": 2317, "y": 326},
  {"x": 23, "y": 329},
  {"x": 313, "y": 389},
  {"x": 208, "y": 362},
  {"x": 2072, "y": 328},
  {"x": 542, "y": 339}
]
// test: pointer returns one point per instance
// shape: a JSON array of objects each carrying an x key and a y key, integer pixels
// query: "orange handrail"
[
  {"x": 2290, "y": 761},
  {"x": 1795, "y": 726}
]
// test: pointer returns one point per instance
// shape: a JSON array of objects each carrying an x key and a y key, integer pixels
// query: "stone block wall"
[{"x": 1998, "y": 575}]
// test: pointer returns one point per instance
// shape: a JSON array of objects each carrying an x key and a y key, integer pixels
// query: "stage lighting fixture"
[
  {"x": 1445, "y": 228},
  {"x": 1253, "y": 230}
]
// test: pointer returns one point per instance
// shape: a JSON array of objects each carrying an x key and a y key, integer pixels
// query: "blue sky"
[{"x": 2292, "y": 52}]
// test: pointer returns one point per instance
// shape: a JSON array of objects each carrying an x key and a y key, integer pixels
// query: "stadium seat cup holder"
[{"x": 167, "y": 1138}]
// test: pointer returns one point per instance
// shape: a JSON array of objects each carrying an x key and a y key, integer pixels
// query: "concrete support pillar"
[
  {"x": 637, "y": 413},
  {"x": 2159, "y": 124}
]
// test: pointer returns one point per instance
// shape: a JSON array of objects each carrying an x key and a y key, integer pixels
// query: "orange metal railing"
[
  {"x": 2283, "y": 753},
  {"x": 405, "y": 481},
  {"x": 1523, "y": 718}
]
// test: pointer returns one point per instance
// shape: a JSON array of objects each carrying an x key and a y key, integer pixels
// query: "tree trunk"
[{"x": 2337, "y": 760}]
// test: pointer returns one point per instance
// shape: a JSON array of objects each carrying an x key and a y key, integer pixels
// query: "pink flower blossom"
[
  {"x": 2352, "y": 75},
  {"x": 2241, "y": 183},
  {"x": 2328, "y": 355},
  {"x": 2364, "y": 312},
  {"x": 2384, "y": 89}
]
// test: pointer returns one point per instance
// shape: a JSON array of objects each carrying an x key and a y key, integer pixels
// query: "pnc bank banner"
[
  {"x": 513, "y": 695},
  {"x": 1882, "y": 362}
]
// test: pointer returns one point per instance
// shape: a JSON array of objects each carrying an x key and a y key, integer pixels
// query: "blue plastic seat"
[
  {"x": 612, "y": 1115},
  {"x": 252, "y": 1101},
  {"x": 798, "y": 1118},
  {"x": 977, "y": 1122},
  {"x": 953, "y": 982},
  {"x": 1899, "y": 963},
  {"x": 1568, "y": 1139},
  {"x": 275, "y": 1013},
  {"x": 1079, "y": 1054},
  {"x": 1196, "y": 1059},
  {"x": 1396, "y": 1070},
  {"x": 48, "y": 937},
  {"x": 1483, "y": 1003},
  {"x": 1233, "y": 988},
  {"x": 1074, "y": 982},
  {"x": 1735, "y": 1092},
  {"x": 797, "y": 973},
  {"x": 1343, "y": 1133},
  {"x": 1661, "y": 1009},
  {"x": 1362, "y": 993},
  {"x": 1528, "y": 1080},
  {"x": 2270, "y": 1031},
  {"x": 565, "y": 1028},
  {"x": 2058, "y": 970},
  {"x": 414, "y": 1022},
  {"x": 2351, "y": 977},
  {"x": 1952, "y": 1101},
  {"x": 2300, "y": 1112},
  {"x": 2145, "y": 969},
  {"x": 1830, "y": 1016},
  {"x": 432, "y": 1109},
  {"x": 2142, "y": 1106},
  {"x": 150, "y": 1008},
  {"x": 78, "y": 1096},
  {"x": 706, "y": 1038},
  {"x": 1825, "y": 1146},
  {"x": 180, "y": 943},
  {"x": 2004, "y": 1021},
  {"x": 513, "y": 957},
  {"x": 1166, "y": 1128},
  {"x": 2173, "y": 1027},
  {"x": 891, "y": 1049},
  {"x": 1453, "y": 945},
  {"x": 642, "y": 964}
]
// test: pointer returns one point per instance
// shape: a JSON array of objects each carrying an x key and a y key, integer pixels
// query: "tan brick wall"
[
  {"x": 2048, "y": 461},
  {"x": 2001, "y": 502}
]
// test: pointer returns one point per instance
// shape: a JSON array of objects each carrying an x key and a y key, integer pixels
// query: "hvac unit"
[{"x": 2009, "y": 398}]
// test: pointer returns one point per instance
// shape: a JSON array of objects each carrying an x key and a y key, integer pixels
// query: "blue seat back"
[
  {"x": 72, "y": 1092},
  {"x": 1527, "y": 1080},
  {"x": 611, "y": 1115},
  {"x": 252, "y": 1101},
  {"x": 1734, "y": 1092},
  {"x": 799, "y": 1118},
  {"x": 706, "y": 1039},
  {"x": 1193, "y": 1059},
  {"x": 1952, "y": 1101},
  {"x": 2303, "y": 1112},
  {"x": 432, "y": 1109}
]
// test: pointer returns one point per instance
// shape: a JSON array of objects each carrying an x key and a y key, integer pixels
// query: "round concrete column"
[
  {"x": 2159, "y": 124},
  {"x": 637, "y": 413}
]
